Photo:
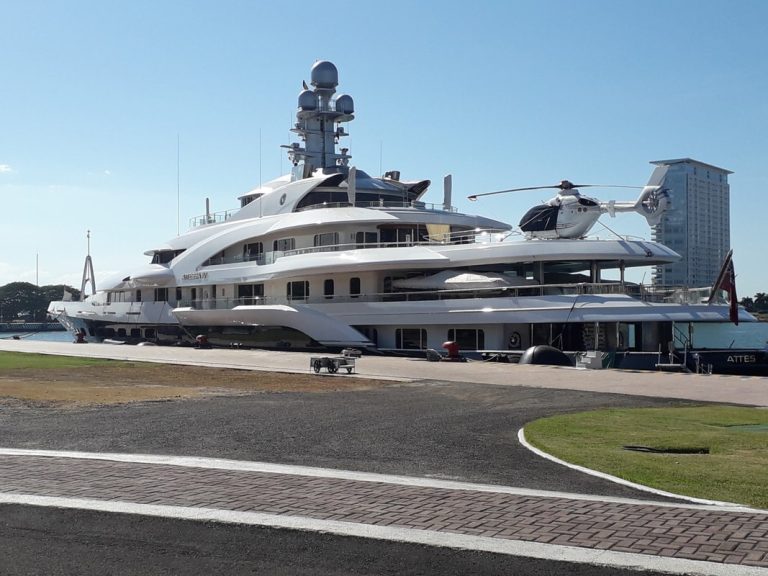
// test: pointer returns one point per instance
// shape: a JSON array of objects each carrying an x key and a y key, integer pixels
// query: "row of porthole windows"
[{"x": 299, "y": 290}]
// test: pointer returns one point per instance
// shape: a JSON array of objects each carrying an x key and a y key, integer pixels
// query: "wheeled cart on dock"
[{"x": 332, "y": 363}]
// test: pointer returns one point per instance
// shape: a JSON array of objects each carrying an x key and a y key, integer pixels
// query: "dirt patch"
[{"x": 139, "y": 382}]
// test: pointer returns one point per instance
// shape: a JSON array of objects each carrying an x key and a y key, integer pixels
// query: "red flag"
[{"x": 727, "y": 281}]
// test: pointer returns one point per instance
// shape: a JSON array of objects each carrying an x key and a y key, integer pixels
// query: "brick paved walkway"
[{"x": 689, "y": 532}]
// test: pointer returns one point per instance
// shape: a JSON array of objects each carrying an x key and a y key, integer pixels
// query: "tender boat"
[{"x": 330, "y": 257}]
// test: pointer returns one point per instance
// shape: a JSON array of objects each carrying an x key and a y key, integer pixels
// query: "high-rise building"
[{"x": 697, "y": 225}]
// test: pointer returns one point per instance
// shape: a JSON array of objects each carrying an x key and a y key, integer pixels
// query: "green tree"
[
  {"x": 761, "y": 302},
  {"x": 748, "y": 303},
  {"x": 25, "y": 301}
]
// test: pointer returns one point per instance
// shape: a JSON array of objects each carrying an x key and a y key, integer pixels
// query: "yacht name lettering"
[
  {"x": 195, "y": 276},
  {"x": 742, "y": 359}
]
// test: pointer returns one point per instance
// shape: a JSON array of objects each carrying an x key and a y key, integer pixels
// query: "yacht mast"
[{"x": 318, "y": 122}]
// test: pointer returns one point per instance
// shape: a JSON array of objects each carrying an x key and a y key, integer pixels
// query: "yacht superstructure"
[{"x": 331, "y": 257}]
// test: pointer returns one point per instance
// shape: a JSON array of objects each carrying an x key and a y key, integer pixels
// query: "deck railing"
[
  {"x": 640, "y": 292},
  {"x": 224, "y": 215},
  {"x": 478, "y": 236}
]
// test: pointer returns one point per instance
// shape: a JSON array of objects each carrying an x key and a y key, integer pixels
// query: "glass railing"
[
  {"x": 381, "y": 204},
  {"x": 640, "y": 292},
  {"x": 482, "y": 236},
  {"x": 223, "y": 216},
  {"x": 215, "y": 218}
]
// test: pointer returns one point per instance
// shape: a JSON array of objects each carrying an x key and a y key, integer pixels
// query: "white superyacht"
[{"x": 329, "y": 257}]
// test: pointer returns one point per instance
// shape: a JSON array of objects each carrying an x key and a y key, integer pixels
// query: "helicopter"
[{"x": 570, "y": 215}]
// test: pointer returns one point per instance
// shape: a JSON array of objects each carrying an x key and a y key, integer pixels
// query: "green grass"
[
  {"x": 16, "y": 360},
  {"x": 735, "y": 470}
]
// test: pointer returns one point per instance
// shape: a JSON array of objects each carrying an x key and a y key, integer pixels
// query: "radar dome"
[
  {"x": 307, "y": 100},
  {"x": 345, "y": 104},
  {"x": 325, "y": 75}
]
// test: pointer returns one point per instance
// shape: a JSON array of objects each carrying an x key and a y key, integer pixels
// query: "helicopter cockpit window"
[{"x": 539, "y": 218}]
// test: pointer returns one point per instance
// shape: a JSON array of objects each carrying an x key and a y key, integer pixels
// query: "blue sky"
[{"x": 500, "y": 94}]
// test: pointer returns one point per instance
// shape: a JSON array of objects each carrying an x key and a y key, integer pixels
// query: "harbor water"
[{"x": 745, "y": 335}]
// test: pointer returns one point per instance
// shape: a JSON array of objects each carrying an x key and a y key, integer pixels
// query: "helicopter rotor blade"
[
  {"x": 562, "y": 186},
  {"x": 476, "y": 196}
]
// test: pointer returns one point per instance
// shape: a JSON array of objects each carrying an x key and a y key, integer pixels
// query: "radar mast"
[{"x": 318, "y": 120}]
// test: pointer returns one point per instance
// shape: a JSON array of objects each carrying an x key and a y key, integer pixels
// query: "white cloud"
[{"x": 5, "y": 169}]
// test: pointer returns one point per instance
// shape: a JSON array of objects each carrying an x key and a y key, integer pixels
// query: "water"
[
  {"x": 717, "y": 335},
  {"x": 55, "y": 336}
]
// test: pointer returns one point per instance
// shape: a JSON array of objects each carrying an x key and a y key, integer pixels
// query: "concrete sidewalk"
[{"x": 751, "y": 391}]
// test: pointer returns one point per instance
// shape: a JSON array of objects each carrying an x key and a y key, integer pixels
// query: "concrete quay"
[{"x": 746, "y": 390}]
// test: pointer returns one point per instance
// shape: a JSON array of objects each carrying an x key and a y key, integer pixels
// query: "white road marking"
[
  {"x": 269, "y": 468},
  {"x": 550, "y": 552}
]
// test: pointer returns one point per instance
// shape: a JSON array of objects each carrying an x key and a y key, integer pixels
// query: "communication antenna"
[
  {"x": 178, "y": 187},
  {"x": 88, "y": 275}
]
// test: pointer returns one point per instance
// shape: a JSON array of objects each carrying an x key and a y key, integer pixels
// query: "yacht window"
[
  {"x": 253, "y": 251},
  {"x": 387, "y": 284},
  {"x": 354, "y": 287},
  {"x": 161, "y": 294},
  {"x": 178, "y": 294},
  {"x": 135, "y": 332},
  {"x": 328, "y": 288},
  {"x": 323, "y": 197},
  {"x": 138, "y": 295},
  {"x": 298, "y": 290},
  {"x": 327, "y": 239},
  {"x": 245, "y": 200},
  {"x": 165, "y": 256},
  {"x": 121, "y": 332},
  {"x": 250, "y": 293},
  {"x": 364, "y": 238},
  {"x": 411, "y": 338},
  {"x": 467, "y": 338},
  {"x": 284, "y": 244},
  {"x": 371, "y": 333}
]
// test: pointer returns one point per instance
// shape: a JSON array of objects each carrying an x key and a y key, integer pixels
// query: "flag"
[{"x": 727, "y": 281}]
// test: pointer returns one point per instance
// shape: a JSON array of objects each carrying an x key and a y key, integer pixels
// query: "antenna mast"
[
  {"x": 178, "y": 188},
  {"x": 88, "y": 275}
]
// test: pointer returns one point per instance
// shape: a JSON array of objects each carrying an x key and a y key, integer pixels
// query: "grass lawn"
[
  {"x": 66, "y": 381},
  {"x": 734, "y": 470},
  {"x": 20, "y": 360}
]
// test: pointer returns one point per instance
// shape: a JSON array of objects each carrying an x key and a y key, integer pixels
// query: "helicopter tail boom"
[{"x": 652, "y": 202}]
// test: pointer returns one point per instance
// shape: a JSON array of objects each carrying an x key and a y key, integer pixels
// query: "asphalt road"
[
  {"x": 51, "y": 542},
  {"x": 457, "y": 431}
]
